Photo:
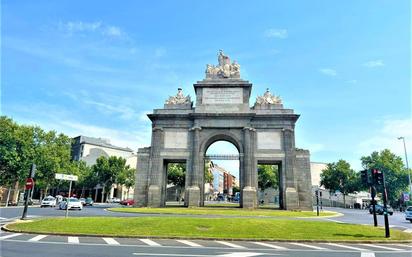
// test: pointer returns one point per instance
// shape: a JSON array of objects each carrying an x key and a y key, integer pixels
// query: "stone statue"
[
  {"x": 224, "y": 70},
  {"x": 179, "y": 98},
  {"x": 268, "y": 98}
]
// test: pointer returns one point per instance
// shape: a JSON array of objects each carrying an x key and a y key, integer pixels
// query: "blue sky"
[{"x": 97, "y": 67}]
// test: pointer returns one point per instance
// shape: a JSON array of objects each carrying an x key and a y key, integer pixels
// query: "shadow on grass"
[{"x": 354, "y": 235}]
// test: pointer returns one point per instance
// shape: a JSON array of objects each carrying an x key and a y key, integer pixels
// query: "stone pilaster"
[
  {"x": 291, "y": 198},
  {"x": 192, "y": 193},
  {"x": 249, "y": 196},
  {"x": 156, "y": 175}
]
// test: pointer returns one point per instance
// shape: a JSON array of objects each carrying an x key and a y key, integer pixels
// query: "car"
[
  {"x": 127, "y": 202},
  {"x": 48, "y": 201},
  {"x": 83, "y": 201},
  {"x": 379, "y": 209},
  {"x": 408, "y": 213},
  {"x": 72, "y": 203},
  {"x": 113, "y": 200},
  {"x": 89, "y": 201}
]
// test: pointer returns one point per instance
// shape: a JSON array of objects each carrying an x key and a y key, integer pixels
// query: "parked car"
[
  {"x": 72, "y": 203},
  {"x": 408, "y": 213},
  {"x": 127, "y": 202},
  {"x": 48, "y": 201},
  {"x": 83, "y": 201},
  {"x": 379, "y": 209},
  {"x": 89, "y": 201},
  {"x": 113, "y": 200}
]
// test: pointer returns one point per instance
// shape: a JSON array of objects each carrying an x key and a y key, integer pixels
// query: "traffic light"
[
  {"x": 377, "y": 177},
  {"x": 364, "y": 177}
]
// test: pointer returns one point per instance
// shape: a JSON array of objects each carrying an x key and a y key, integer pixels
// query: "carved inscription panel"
[
  {"x": 269, "y": 140},
  {"x": 176, "y": 139},
  {"x": 222, "y": 95}
]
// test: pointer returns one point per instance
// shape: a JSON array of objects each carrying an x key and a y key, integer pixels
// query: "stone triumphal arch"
[{"x": 263, "y": 134}]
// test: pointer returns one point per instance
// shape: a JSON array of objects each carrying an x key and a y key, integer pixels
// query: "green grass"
[
  {"x": 218, "y": 228},
  {"x": 224, "y": 210}
]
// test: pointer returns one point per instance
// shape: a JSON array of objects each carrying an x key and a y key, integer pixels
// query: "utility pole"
[
  {"x": 373, "y": 194},
  {"x": 29, "y": 188},
  {"x": 407, "y": 164}
]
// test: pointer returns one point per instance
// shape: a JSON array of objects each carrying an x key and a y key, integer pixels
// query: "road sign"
[
  {"x": 406, "y": 197},
  {"x": 66, "y": 177},
  {"x": 29, "y": 183}
]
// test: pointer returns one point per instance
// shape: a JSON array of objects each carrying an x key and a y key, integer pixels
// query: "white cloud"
[
  {"x": 73, "y": 27},
  {"x": 387, "y": 137},
  {"x": 276, "y": 33},
  {"x": 374, "y": 63},
  {"x": 328, "y": 71}
]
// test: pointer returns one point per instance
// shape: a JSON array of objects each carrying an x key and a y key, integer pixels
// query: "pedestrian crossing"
[{"x": 250, "y": 245}]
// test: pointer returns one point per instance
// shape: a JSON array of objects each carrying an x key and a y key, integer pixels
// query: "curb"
[{"x": 5, "y": 228}]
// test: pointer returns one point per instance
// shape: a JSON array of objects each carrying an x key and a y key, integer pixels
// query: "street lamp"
[{"x": 407, "y": 165}]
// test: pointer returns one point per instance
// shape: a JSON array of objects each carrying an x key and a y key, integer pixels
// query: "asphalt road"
[{"x": 22, "y": 245}]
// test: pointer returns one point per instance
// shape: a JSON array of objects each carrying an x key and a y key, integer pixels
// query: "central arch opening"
[{"x": 221, "y": 187}]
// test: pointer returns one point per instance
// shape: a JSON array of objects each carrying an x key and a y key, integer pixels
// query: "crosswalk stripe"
[
  {"x": 73, "y": 240},
  {"x": 189, "y": 243},
  {"x": 9, "y": 236},
  {"x": 150, "y": 242},
  {"x": 349, "y": 247},
  {"x": 367, "y": 254},
  {"x": 110, "y": 241},
  {"x": 230, "y": 244},
  {"x": 382, "y": 247},
  {"x": 37, "y": 238},
  {"x": 270, "y": 245},
  {"x": 309, "y": 246}
]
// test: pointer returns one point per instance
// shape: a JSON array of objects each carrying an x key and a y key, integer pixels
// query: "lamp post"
[{"x": 407, "y": 165}]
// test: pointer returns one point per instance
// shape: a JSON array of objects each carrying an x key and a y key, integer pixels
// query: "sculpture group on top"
[
  {"x": 224, "y": 70},
  {"x": 268, "y": 98},
  {"x": 179, "y": 98}
]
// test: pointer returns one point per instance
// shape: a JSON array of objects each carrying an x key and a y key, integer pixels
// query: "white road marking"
[
  {"x": 270, "y": 246},
  {"x": 230, "y": 244},
  {"x": 349, "y": 247},
  {"x": 9, "y": 236},
  {"x": 73, "y": 240},
  {"x": 110, "y": 241},
  {"x": 150, "y": 242},
  {"x": 189, "y": 243},
  {"x": 241, "y": 254},
  {"x": 367, "y": 254},
  {"x": 382, "y": 247},
  {"x": 404, "y": 245},
  {"x": 309, "y": 246},
  {"x": 1, "y": 218},
  {"x": 237, "y": 254},
  {"x": 37, "y": 238}
]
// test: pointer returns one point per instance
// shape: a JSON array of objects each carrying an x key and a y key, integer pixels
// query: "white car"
[
  {"x": 408, "y": 213},
  {"x": 74, "y": 203},
  {"x": 48, "y": 201}
]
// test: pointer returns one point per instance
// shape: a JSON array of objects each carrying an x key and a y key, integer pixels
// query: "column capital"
[
  {"x": 249, "y": 128},
  {"x": 157, "y": 128},
  {"x": 287, "y": 129},
  {"x": 195, "y": 128}
]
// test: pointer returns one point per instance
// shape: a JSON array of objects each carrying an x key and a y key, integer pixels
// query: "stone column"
[
  {"x": 249, "y": 197},
  {"x": 142, "y": 177},
  {"x": 291, "y": 200},
  {"x": 192, "y": 193},
  {"x": 155, "y": 188}
]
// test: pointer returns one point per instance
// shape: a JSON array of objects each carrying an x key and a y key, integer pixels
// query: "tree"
[
  {"x": 176, "y": 175},
  {"x": 107, "y": 171},
  {"x": 208, "y": 172},
  {"x": 396, "y": 175},
  {"x": 127, "y": 178},
  {"x": 268, "y": 176},
  {"x": 339, "y": 177}
]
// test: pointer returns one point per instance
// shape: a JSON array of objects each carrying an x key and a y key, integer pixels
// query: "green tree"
[
  {"x": 396, "y": 175},
  {"x": 339, "y": 177},
  {"x": 107, "y": 171},
  {"x": 208, "y": 172},
  {"x": 268, "y": 176},
  {"x": 87, "y": 179},
  {"x": 176, "y": 175},
  {"x": 127, "y": 178}
]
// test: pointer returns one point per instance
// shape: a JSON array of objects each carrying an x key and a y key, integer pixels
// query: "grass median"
[
  {"x": 224, "y": 211},
  {"x": 209, "y": 228}
]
